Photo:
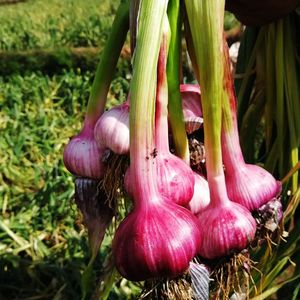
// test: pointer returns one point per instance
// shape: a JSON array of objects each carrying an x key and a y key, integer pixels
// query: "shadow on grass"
[{"x": 54, "y": 277}]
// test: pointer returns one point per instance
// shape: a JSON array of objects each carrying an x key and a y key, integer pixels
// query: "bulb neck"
[
  {"x": 231, "y": 149},
  {"x": 88, "y": 127},
  {"x": 142, "y": 102},
  {"x": 161, "y": 111},
  {"x": 218, "y": 192},
  {"x": 232, "y": 152}
]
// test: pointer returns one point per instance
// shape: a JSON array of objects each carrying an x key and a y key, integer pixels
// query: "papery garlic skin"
[
  {"x": 191, "y": 99},
  {"x": 228, "y": 228},
  {"x": 251, "y": 186},
  {"x": 201, "y": 198},
  {"x": 112, "y": 129},
  {"x": 191, "y": 105},
  {"x": 156, "y": 241},
  {"x": 95, "y": 208},
  {"x": 83, "y": 157}
]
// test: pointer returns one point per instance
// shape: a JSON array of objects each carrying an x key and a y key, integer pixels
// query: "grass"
[
  {"x": 43, "y": 245},
  {"x": 39, "y": 24},
  {"x": 46, "y": 24}
]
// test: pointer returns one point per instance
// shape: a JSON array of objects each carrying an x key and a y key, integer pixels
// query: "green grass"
[
  {"x": 43, "y": 245},
  {"x": 38, "y": 24},
  {"x": 46, "y": 24}
]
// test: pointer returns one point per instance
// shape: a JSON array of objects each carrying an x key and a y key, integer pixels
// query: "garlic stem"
[
  {"x": 108, "y": 61},
  {"x": 142, "y": 101},
  {"x": 161, "y": 108},
  {"x": 206, "y": 23},
  {"x": 232, "y": 152},
  {"x": 191, "y": 48},
  {"x": 173, "y": 71}
]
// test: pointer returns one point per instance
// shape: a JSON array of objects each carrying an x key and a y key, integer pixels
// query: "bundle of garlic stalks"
[{"x": 192, "y": 219}]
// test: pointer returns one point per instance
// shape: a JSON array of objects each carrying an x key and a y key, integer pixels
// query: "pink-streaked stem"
[
  {"x": 231, "y": 149},
  {"x": 142, "y": 101},
  {"x": 209, "y": 15},
  {"x": 161, "y": 109}
]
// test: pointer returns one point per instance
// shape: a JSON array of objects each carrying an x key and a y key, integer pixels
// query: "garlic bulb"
[
  {"x": 82, "y": 156},
  {"x": 225, "y": 229},
  {"x": 155, "y": 240},
  {"x": 200, "y": 199},
  {"x": 251, "y": 185},
  {"x": 112, "y": 129}
]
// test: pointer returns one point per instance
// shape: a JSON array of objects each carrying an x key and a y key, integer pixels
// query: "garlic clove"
[
  {"x": 251, "y": 186},
  {"x": 82, "y": 157},
  {"x": 201, "y": 198},
  {"x": 112, "y": 129},
  {"x": 225, "y": 229},
  {"x": 155, "y": 241}
]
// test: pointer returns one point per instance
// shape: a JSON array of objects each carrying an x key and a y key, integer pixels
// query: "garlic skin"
[
  {"x": 251, "y": 186},
  {"x": 82, "y": 157},
  {"x": 191, "y": 105},
  {"x": 201, "y": 198},
  {"x": 94, "y": 206},
  {"x": 246, "y": 184},
  {"x": 175, "y": 180},
  {"x": 112, "y": 129},
  {"x": 155, "y": 240},
  {"x": 225, "y": 229}
]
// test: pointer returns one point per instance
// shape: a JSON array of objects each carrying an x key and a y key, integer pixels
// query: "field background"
[
  {"x": 43, "y": 244},
  {"x": 48, "y": 54}
]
